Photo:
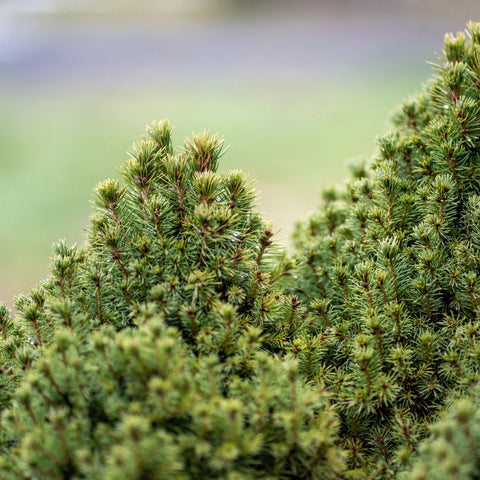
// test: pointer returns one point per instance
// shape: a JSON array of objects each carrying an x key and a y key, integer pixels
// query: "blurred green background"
[{"x": 298, "y": 89}]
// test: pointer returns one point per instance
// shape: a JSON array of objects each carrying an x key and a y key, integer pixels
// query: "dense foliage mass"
[
  {"x": 141, "y": 355},
  {"x": 182, "y": 343},
  {"x": 453, "y": 450},
  {"x": 390, "y": 268}
]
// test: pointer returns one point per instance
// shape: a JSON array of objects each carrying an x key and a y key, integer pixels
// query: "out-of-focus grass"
[{"x": 56, "y": 145}]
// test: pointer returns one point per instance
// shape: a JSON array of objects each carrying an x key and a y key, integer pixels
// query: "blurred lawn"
[{"x": 56, "y": 145}]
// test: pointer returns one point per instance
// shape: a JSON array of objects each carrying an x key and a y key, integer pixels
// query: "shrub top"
[{"x": 390, "y": 268}]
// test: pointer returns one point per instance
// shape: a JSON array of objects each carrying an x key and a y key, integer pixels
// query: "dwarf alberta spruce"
[
  {"x": 141, "y": 356},
  {"x": 390, "y": 268},
  {"x": 182, "y": 343}
]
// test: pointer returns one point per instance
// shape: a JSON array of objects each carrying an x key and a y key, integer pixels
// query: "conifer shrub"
[
  {"x": 176, "y": 239},
  {"x": 182, "y": 343},
  {"x": 151, "y": 353},
  {"x": 176, "y": 235},
  {"x": 390, "y": 269}
]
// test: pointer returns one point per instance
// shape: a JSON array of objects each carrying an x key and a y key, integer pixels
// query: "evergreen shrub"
[
  {"x": 181, "y": 342},
  {"x": 390, "y": 268},
  {"x": 142, "y": 357}
]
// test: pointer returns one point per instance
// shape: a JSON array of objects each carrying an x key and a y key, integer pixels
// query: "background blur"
[{"x": 297, "y": 88}]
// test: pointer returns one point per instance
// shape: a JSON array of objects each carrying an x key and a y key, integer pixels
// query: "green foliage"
[
  {"x": 178, "y": 237},
  {"x": 137, "y": 404},
  {"x": 453, "y": 450},
  {"x": 141, "y": 355},
  {"x": 181, "y": 343},
  {"x": 390, "y": 269}
]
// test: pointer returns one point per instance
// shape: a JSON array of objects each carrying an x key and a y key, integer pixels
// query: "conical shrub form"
[
  {"x": 178, "y": 239},
  {"x": 390, "y": 269},
  {"x": 141, "y": 357}
]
